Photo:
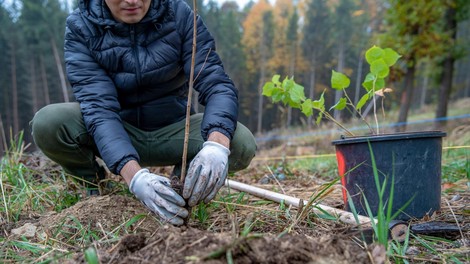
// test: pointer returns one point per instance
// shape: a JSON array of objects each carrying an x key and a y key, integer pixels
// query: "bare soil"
[{"x": 155, "y": 243}]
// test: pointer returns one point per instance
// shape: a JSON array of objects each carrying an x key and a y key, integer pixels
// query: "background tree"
[
  {"x": 292, "y": 46},
  {"x": 414, "y": 29},
  {"x": 316, "y": 39},
  {"x": 230, "y": 49},
  {"x": 342, "y": 34},
  {"x": 258, "y": 38},
  {"x": 5, "y": 72},
  {"x": 282, "y": 59},
  {"x": 456, "y": 10}
]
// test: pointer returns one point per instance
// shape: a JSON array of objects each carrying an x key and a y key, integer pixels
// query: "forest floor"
[{"x": 236, "y": 227}]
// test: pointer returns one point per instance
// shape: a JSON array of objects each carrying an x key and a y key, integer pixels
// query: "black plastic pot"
[{"x": 412, "y": 159}]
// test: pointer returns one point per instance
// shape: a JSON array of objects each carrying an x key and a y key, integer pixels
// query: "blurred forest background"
[{"x": 304, "y": 38}]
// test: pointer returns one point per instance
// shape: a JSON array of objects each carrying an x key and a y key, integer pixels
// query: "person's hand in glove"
[
  {"x": 155, "y": 192},
  {"x": 206, "y": 173}
]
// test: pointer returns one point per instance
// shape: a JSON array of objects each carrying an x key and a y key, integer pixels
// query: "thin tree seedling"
[{"x": 190, "y": 95}]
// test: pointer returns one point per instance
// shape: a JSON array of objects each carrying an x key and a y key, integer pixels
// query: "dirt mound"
[
  {"x": 114, "y": 212},
  {"x": 189, "y": 245},
  {"x": 142, "y": 239}
]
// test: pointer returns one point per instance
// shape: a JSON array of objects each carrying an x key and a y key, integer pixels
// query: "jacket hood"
[{"x": 98, "y": 12}]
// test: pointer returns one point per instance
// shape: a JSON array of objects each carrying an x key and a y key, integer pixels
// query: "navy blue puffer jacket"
[{"x": 138, "y": 73}]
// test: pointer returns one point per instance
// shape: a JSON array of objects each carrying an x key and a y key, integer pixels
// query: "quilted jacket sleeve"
[
  {"x": 95, "y": 92},
  {"x": 216, "y": 90}
]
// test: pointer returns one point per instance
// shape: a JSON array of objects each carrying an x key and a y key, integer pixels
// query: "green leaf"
[
  {"x": 276, "y": 78},
  {"x": 291, "y": 103},
  {"x": 307, "y": 107},
  {"x": 390, "y": 56},
  {"x": 363, "y": 101},
  {"x": 369, "y": 81},
  {"x": 373, "y": 54},
  {"x": 379, "y": 68},
  {"x": 319, "y": 118},
  {"x": 288, "y": 84},
  {"x": 379, "y": 84},
  {"x": 320, "y": 103},
  {"x": 277, "y": 95},
  {"x": 268, "y": 89},
  {"x": 91, "y": 256},
  {"x": 339, "y": 81},
  {"x": 134, "y": 219},
  {"x": 340, "y": 105},
  {"x": 296, "y": 93}
]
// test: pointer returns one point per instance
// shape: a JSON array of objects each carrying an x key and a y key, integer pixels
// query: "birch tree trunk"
[
  {"x": 14, "y": 88},
  {"x": 34, "y": 89},
  {"x": 292, "y": 62},
  {"x": 357, "y": 92},
  {"x": 339, "y": 93},
  {"x": 262, "y": 79},
  {"x": 60, "y": 70},
  {"x": 311, "y": 94},
  {"x": 45, "y": 84},
  {"x": 424, "y": 88},
  {"x": 406, "y": 97}
]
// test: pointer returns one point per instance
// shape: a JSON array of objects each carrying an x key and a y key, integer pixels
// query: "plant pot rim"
[{"x": 388, "y": 137}]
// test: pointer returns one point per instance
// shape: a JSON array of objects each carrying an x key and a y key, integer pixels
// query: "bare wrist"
[
  {"x": 219, "y": 138},
  {"x": 129, "y": 170}
]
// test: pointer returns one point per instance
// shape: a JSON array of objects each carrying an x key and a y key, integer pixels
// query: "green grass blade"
[{"x": 91, "y": 256}]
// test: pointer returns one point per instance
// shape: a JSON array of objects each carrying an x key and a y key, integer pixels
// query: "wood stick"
[
  {"x": 190, "y": 96},
  {"x": 343, "y": 216}
]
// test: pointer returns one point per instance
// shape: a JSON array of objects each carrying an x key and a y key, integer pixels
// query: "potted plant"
[{"x": 408, "y": 161}]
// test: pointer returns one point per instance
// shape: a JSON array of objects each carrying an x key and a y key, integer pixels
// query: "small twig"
[
  {"x": 3, "y": 194},
  {"x": 102, "y": 230},
  {"x": 248, "y": 206},
  {"x": 213, "y": 223},
  {"x": 358, "y": 112},
  {"x": 417, "y": 259},
  {"x": 220, "y": 251},
  {"x": 457, "y": 222},
  {"x": 375, "y": 106},
  {"x": 114, "y": 247},
  {"x": 4, "y": 138},
  {"x": 203, "y": 65},
  {"x": 152, "y": 244},
  {"x": 191, "y": 245},
  {"x": 167, "y": 244},
  {"x": 275, "y": 178},
  {"x": 331, "y": 118}
]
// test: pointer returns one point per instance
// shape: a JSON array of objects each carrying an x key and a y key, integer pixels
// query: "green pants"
[{"x": 60, "y": 133}]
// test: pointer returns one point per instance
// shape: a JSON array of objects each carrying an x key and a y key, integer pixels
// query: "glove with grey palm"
[
  {"x": 206, "y": 174},
  {"x": 156, "y": 194}
]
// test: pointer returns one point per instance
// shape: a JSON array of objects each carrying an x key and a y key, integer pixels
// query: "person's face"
[{"x": 128, "y": 11}]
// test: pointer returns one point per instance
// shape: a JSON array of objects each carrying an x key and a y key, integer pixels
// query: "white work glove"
[
  {"x": 206, "y": 173},
  {"x": 155, "y": 192}
]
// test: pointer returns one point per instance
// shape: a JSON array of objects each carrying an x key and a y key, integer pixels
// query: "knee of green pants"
[
  {"x": 243, "y": 149},
  {"x": 49, "y": 120},
  {"x": 59, "y": 132}
]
